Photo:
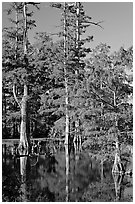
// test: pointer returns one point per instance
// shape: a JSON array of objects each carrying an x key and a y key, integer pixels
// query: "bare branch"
[
  {"x": 34, "y": 4},
  {"x": 103, "y": 100},
  {"x": 96, "y": 24},
  {"x": 108, "y": 86}
]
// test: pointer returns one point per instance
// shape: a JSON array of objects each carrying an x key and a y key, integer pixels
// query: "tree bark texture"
[{"x": 24, "y": 143}]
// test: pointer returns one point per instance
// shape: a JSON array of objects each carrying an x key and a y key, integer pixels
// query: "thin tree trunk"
[
  {"x": 16, "y": 38},
  {"x": 13, "y": 128},
  {"x": 101, "y": 103},
  {"x": 77, "y": 26},
  {"x": 67, "y": 115},
  {"x": 4, "y": 112},
  {"x": 77, "y": 137},
  {"x": 66, "y": 80},
  {"x": 102, "y": 170},
  {"x": 66, "y": 104},
  {"x": 16, "y": 128},
  {"x": 117, "y": 166}
]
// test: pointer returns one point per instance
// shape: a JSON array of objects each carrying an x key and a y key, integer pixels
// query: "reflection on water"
[
  {"x": 50, "y": 174},
  {"x": 67, "y": 172}
]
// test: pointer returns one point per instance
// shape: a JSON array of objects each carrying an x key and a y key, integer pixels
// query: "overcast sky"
[{"x": 117, "y": 20}]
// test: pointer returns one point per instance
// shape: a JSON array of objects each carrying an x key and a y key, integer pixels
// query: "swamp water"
[{"x": 48, "y": 176}]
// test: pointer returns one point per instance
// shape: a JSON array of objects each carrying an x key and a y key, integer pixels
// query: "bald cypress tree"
[
  {"x": 17, "y": 63},
  {"x": 74, "y": 22}
]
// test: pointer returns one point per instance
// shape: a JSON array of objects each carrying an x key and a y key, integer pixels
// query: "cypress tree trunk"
[
  {"x": 101, "y": 103},
  {"x": 24, "y": 130},
  {"x": 67, "y": 116},
  {"x": 24, "y": 144},
  {"x": 4, "y": 112},
  {"x": 24, "y": 140},
  {"x": 117, "y": 166},
  {"x": 66, "y": 80},
  {"x": 77, "y": 136},
  {"x": 66, "y": 105}
]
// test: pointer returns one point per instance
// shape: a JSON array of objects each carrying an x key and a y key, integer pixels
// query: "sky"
[{"x": 117, "y": 22}]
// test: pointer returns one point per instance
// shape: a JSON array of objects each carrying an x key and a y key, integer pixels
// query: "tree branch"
[
  {"x": 108, "y": 87},
  {"x": 104, "y": 101},
  {"x": 15, "y": 97},
  {"x": 96, "y": 24}
]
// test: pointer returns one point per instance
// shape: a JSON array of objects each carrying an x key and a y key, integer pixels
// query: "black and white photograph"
[{"x": 67, "y": 101}]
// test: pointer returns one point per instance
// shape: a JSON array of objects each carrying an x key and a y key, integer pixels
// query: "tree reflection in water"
[
  {"x": 23, "y": 164},
  {"x": 118, "y": 178},
  {"x": 67, "y": 157},
  {"x": 61, "y": 176}
]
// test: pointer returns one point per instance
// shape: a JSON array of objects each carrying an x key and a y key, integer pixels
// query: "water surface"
[{"x": 46, "y": 177}]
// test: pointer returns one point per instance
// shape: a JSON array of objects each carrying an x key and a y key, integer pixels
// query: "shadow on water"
[{"x": 50, "y": 174}]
